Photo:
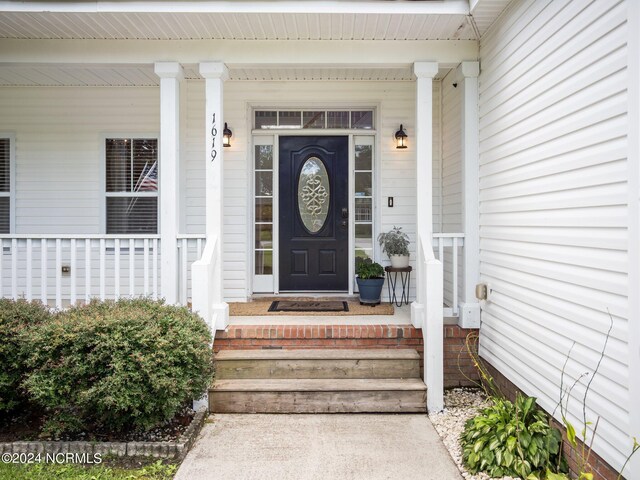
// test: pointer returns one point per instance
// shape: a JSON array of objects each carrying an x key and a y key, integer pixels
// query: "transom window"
[
  {"x": 5, "y": 185},
  {"x": 131, "y": 185},
  {"x": 313, "y": 119}
]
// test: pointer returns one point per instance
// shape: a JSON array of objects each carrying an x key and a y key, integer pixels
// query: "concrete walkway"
[{"x": 322, "y": 447}]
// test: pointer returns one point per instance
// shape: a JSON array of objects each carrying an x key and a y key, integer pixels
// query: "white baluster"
[
  {"x": 73, "y": 265},
  {"x": 58, "y": 273},
  {"x": 199, "y": 248},
  {"x": 155, "y": 268},
  {"x": 184, "y": 273},
  {"x": 14, "y": 268},
  {"x": 116, "y": 267},
  {"x": 29, "y": 273},
  {"x": 43, "y": 270},
  {"x": 146, "y": 266},
  {"x": 87, "y": 270},
  {"x": 103, "y": 267},
  {"x": 132, "y": 266}
]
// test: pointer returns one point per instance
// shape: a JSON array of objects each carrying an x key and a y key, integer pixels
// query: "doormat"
[
  {"x": 289, "y": 306},
  {"x": 261, "y": 308}
]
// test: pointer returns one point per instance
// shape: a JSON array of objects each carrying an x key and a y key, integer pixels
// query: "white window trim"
[
  {"x": 12, "y": 180},
  {"x": 103, "y": 175}
]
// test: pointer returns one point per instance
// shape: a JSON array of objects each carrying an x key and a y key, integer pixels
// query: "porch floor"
[{"x": 401, "y": 316}]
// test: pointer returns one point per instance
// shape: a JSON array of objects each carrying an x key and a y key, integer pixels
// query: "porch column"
[
  {"x": 170, "y": 74},
  {"x": 469, "y": 306},
  {"x": 424, "y": 72},
  {"x": 215, "y": 74}
]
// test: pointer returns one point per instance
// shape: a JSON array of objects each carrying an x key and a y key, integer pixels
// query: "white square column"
[
  {"x": 215, "y": 74},
  {"x": 424, "y": 72},
  {"x": 469, "y": 306},
  {"x": 170, "y": 74}
]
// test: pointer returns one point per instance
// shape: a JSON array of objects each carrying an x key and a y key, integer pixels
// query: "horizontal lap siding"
[
  {"x": 451, "y": 175},
  {"x": 396, "y": 101},
  {"x": 59, "y": 153},
  {"x": 553, "y": 211}
]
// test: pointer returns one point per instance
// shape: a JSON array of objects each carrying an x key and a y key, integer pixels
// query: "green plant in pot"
[
  {"x": 370, "y": 279},
  {"x": 395, "y": 243}
]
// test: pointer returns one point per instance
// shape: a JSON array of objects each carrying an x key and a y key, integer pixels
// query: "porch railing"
[
  {"x": 449, "y": 248},
  {"x": 61, "y": 270}
]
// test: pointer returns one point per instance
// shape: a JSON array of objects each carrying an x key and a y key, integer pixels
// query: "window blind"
[
  {"x": 132, "y": 185},
  {"x": 5, "y": 185}
]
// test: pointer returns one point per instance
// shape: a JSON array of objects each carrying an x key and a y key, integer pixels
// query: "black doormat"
[{"x": 289, "y": 306}]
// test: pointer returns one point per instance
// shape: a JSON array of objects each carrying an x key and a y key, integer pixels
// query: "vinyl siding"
[
  {"x": 553, "y": 205},
  {"x": 451, "y": 175},
  {"x": 59, "y": 152}
]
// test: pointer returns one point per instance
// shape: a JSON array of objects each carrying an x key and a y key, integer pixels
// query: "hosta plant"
[{"x": 512, "y": 439}]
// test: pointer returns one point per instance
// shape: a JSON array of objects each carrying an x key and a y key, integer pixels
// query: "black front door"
[{"x": 314, "y": 215}]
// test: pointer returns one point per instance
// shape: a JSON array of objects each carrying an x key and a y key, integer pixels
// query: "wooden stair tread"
[
  {"x": 318, "y": 385},
  {"x": 319, "y": 354}
]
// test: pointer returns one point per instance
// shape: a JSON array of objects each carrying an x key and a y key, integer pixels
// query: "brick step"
[
  {"x": 318, "y": 363},
  {"x": 318, "y": 396}
]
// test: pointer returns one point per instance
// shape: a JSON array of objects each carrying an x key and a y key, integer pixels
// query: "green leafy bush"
[
  {"x": 118, "y": 365},
  {"x": 16, "y": 317},
  {"x": 510, "y": 439},
  {"x": 367, "y": 268}
]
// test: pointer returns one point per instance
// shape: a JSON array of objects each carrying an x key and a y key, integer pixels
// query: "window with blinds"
[
  {"x": 5, "y": 185},
  {"x": 132, "y": 185}
]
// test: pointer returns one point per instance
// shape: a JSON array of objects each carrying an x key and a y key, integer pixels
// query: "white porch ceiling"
[
  {"x": 234, "y": 26},
  {"x": 123, "y": 75}
]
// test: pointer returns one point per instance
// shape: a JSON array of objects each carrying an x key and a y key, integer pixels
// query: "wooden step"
[
  {"x": 386, "y": 395},
  {"x": 317, "y": 363}
]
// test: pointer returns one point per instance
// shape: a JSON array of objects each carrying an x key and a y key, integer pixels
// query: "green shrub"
[
  {"x": 367, "y": 268},
  {"x": 16, "y": 317},
  {"x": 129, "y": 364},
  {"x": 510, "y": 439}
]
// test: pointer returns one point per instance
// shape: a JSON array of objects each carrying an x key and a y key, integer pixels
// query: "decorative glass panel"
[
  {"x": 290, "y": 119},
  {"x": 264, "y": 184},
  {"x": 313, "y": 194},
  {"x": 337, "y": 119},
  {"x": 264, "y": 157},
  {"x": 266, "y": 119},
  {"x": 313, "y": 119},
  {"x": 364, "y": 210},
  {"x": 264, "y": 235},
  {"x": 264, "y": 209},
  {"x": 362, "y": 119},
  {"x": 363, "y": 157},
  {"x": 264, "y": 262},
  {"x": 363, "y": 184}
]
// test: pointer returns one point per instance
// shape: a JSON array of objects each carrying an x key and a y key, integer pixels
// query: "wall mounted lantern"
[
  {"x": 401, "y": 138},
  {"x": 226, "y": 136}
]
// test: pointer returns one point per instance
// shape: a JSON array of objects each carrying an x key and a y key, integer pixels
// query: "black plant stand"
[{"x": 392, "y": 280}]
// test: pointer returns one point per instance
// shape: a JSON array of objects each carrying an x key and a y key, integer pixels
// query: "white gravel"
[{"x": 460, "y": 404}]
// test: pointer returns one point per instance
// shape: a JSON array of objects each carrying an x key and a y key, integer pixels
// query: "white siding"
[
  {"x": 553, "y": 205},
  {"x": 59, "y": 152},
  {"x": 451, "y": 174}
]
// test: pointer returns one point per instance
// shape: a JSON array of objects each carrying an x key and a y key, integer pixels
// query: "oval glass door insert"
[{"x": 313, "y": 194}]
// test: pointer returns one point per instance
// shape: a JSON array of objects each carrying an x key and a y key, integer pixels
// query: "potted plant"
[
  {"x": 395, "y": 243},
  {"x": 370, "y": 279}
]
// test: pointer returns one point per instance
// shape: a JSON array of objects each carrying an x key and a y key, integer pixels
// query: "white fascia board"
[
  {"x": 238, "y": 52},
  {"x": 443, "y": 7}
]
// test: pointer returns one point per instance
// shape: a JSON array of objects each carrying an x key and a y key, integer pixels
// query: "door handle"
[{"x": 345, "y": 213}]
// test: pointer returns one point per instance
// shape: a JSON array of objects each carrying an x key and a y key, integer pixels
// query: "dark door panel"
[{"x": 314, "y": 200}]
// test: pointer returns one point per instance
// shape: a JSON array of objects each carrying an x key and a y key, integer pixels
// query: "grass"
[{"x": 49, "y": 471}]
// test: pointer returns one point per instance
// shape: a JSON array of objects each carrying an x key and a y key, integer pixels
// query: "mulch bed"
[{"x": 28, "y": 427}]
